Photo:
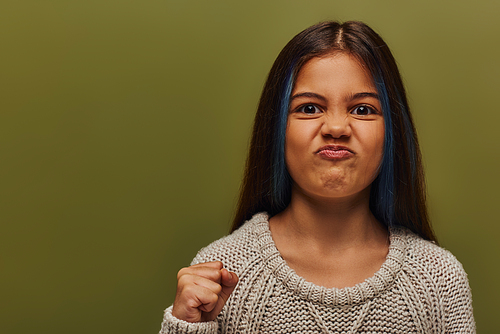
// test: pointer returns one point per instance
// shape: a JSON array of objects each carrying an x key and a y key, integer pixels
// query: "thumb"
[{"x": 228, "y": 282}]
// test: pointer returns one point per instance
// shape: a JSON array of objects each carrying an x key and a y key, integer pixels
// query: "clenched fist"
[{"x": 202, "y": 291}]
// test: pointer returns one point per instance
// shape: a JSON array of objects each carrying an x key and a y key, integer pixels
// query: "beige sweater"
[{"x": 420, "y": 288}]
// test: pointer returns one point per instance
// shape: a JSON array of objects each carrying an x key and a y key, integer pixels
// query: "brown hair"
[{"x": 398, "y": 193}]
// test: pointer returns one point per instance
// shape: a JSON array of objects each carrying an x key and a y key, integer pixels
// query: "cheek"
[
  {"x": 296, "y": 132},
  {"x": 298, "y": 144},
  {"x": 301, "y": 132},
  {"x": 373, "y": 135},
  {"x": 292, "y": 139}
]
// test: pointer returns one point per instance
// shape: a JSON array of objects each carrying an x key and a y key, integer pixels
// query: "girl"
[{"x": 331, "y": 233}]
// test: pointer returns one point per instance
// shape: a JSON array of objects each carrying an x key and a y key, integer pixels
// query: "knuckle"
[
  {"x": 213, "y": 298},
  {"x": 188, "y": 292},
  {"x": 182, "y": 272},
  {"x": 217, "y": 289},
  {"x": 217, "y": 275},
  {"x": 184, "y": 280}
]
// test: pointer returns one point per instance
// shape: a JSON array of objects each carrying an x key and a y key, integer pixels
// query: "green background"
[{"x": 124, "y": 127}]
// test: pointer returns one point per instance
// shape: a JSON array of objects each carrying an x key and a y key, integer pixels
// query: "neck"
[{"x": 331, "y": 224}]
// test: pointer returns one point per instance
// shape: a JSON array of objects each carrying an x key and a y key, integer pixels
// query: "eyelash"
[
  {"x": 301, "y": 109},
  {"x": 371, "y": 110}
]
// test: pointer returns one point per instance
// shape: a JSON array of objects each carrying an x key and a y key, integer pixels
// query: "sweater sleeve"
[
  {"x": 172, "y": 325},
  {"x": 457, "y": 300},
  {"x": 443, "y": 287}
]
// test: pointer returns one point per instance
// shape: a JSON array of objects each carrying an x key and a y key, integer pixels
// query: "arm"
[{"x": 457, "y": 299}]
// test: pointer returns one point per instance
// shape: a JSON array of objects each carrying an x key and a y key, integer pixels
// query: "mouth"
[{"x": 335, "y": 152}]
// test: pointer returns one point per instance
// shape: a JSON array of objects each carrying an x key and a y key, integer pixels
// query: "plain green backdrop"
[{"x": 124, "y": 127}]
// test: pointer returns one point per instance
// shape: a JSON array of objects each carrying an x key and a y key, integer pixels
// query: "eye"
[
  {"x": 309, "y": 109},
  {"x": 363, "y": 110}
]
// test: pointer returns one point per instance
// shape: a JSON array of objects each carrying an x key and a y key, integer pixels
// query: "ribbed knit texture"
[{"x": 420, "y": 288}]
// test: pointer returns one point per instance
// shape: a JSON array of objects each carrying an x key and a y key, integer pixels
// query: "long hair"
[{"x": 397, "y": 196}]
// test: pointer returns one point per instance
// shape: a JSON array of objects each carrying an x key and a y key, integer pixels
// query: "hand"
[{"x": 202, "y": 291}]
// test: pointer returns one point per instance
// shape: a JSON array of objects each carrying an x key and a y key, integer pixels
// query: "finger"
[
  {"x": 228, "y": 281},
  {"x": 204, "y": 299},
  {"x": 189, "y": 279},
  {"x": 206, "y": 283},
  {"x": 194, "y": 299},
  {"x": 209, "y": 272},
  {"x": 228, "y": 278},
  {"x": 213, "y": 264}
]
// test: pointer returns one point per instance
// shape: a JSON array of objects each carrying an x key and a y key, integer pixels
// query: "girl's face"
[{"x": 335, "y": 132}]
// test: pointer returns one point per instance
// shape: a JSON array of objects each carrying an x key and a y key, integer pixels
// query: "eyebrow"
[
  {"x": 308, "y": 94},
  {"x": 349, "y": 97},
  {"x": 364, "y": 94}
]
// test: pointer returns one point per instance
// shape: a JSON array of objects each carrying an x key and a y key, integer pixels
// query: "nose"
[{"x": 336, "y": 125}]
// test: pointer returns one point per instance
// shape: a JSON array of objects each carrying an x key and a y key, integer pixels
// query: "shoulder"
[
  {"x": 431, "y": 257},
  {"x": 434, "y": 266},
  {"x": 236, "y": 249}
]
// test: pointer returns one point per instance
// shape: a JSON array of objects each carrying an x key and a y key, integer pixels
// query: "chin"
[{"x": 336, "y": 191}]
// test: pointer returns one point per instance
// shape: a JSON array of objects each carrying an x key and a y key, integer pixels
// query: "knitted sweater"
[{"x": 420, "y": 288}]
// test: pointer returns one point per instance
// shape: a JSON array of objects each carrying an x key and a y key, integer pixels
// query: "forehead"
[{"x": 338, "y": 71}]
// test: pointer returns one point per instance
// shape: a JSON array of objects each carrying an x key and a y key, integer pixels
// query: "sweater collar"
[{"x": 359, "y": 293}]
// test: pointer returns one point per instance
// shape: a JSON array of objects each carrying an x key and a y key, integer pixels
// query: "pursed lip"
[
  {"x": 335, "y": 152},
  {"x": 334, "y": 148}
]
